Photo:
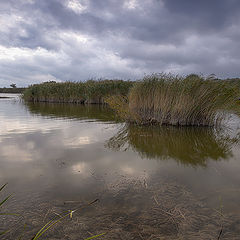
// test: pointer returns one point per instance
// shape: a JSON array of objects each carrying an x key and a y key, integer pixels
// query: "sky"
[{"x": 77, "y": 40}]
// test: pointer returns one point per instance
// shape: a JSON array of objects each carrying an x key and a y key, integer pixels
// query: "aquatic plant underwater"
[{"x": 49, "y": 224}]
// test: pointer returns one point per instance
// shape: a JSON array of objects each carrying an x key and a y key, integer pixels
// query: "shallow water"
[{"x": 152, "y": 182}]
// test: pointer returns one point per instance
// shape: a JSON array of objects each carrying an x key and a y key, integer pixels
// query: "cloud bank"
[{"x": 81, "y": 39}]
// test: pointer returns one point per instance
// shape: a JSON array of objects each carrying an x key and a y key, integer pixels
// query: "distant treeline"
[{"x": 12, "y": 90}]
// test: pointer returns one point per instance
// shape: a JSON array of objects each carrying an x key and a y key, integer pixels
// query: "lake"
[{"x": 145, "y": 182}]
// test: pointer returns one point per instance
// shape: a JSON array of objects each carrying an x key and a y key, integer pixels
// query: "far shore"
[{"x": 12, "y": 90}]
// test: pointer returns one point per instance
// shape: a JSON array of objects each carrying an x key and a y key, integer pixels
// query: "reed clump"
[
  {"x": 91, "y": 91},
  {"x": 185, "y": 101}
]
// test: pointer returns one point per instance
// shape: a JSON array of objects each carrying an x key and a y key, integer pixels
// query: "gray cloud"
[{"x": 81, "y": 39}]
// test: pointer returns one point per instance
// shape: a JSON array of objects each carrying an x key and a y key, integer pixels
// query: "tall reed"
[
  {"x": 76, "y": 92},
  {"x": 173, "y": 100}
]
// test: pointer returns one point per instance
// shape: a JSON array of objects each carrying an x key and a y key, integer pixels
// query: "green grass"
[
  {"x": 172, "y": 100},
  {"x": 76, "y": 92}
]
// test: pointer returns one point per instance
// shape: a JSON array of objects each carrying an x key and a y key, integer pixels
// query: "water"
[{"x": 151, "y": 182}]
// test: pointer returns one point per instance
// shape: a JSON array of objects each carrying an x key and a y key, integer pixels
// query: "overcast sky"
[{"x": 43, "y": 40}]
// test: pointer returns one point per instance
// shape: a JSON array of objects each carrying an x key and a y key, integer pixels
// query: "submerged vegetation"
[
  {"x": 156, "y": 99},
  {"x": 49, "y": 225}
]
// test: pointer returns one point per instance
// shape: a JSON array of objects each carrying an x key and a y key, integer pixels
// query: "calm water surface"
[{"x": 151, "y": 182}]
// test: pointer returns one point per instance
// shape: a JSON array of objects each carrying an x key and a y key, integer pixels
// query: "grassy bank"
[
  {"x": 172, "y": 100},
  {"x": 76, "y": 92}
]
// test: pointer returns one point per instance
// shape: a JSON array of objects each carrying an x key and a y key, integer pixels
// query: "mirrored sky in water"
[{"x": 44, "y": 148}]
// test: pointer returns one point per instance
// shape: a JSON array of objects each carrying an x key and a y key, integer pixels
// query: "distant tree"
[{"x": 13, "y": 85}]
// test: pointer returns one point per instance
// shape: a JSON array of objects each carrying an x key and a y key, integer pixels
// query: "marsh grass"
[
  {"x": 172, "y": 100},
  {"x": 76, "y": 92}
]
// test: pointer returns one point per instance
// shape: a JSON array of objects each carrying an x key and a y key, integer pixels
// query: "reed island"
[{"x": 157, "y": 99}]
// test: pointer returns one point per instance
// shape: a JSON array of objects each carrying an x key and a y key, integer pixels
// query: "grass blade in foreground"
[
  {"x": 48, "y": 226},
  {"x": 4, "y": 232},
  {"x": 3, "y": 187},
  {"x": 4, "y": 200},
  {"x": 51, "y": 223},
  {"x": 6, "y": 197},
  {"x": 99, "y": 235}
]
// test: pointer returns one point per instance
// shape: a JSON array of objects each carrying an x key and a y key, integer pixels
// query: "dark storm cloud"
[
  {"x": 79, "y": 39},
  {"x": 206, "y": 14}
]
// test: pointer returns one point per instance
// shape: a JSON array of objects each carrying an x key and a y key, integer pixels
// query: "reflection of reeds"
[
  {"x": 189, "y": 145},
  {"x": 5, "y": 199},
  {"x": 72, "y": 111},
  {"x": 172, "y": 100}
]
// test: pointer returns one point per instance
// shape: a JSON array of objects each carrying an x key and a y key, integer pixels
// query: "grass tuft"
[{"x": 172, "y": 100}]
